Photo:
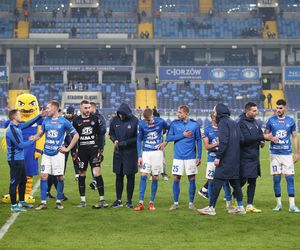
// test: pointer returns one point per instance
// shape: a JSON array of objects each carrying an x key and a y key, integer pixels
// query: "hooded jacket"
[
  {"x": 125, "y": 131},
  {"x": 252, "y": 135},
  {"x": 229, "y": 145}
]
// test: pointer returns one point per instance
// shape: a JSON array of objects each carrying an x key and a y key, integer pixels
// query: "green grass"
[{"x": 76, "y": 228}]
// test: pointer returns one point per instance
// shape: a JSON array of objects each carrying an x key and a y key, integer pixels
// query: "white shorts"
[
  {"x": 210, "y": 170},
  {"x": 53, "y": 165},
  {"x": 188, "y": 165},
  {"x": 282, "y": 164},
  {"x": 152, "y": 162}
]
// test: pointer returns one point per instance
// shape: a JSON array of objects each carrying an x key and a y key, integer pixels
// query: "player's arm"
[
  {"x": 249, "y": 139},
  {"x": 172, "y": 136},
  {"x": 130, "y": 141},
  {"x": 199, "y": 145},
  {"x": 102, "y": 125},
  {"x": 13, "y": 136},
  {"x": 208, "y": 145},
  {"x": 112, "y": 133},
  {"x": 296, "y": 146},
  {"x": 223, "y": 142},
  {"x": 30, "y": 122}
]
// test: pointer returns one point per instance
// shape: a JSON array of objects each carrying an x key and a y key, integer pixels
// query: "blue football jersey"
[
  {"x": 211, "y": 133},
  {"x": 55, "y": 131},
  {"x": 281, "y": 128},
  {"x": 150, "y": 135}
]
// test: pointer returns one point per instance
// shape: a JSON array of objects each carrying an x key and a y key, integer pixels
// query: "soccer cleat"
[
  {"x": 101, "y": 204},
  {"x": 252, "y": 209},
  {"x": 174, "y": 207},
  {"x": 17, "y": 209},
  {"x": 203, "y": 194},
  {"x": 24, "y": 204},
  {"x": 151, "y": 206},
  {"x": 294, "y": 209},
  {"x": 129, "y": 204},
  {"x": 192, "y": 206},
  {"x": 165, "y": 177},
  {"x": 241, "y": 210},
  {"x": 277, "y": 208},
  {"x": 82, "y": 204},
  {"x": 139, "y": 207},
  {"x": 59, "y": 206},
  {"x": 117, "y": 204},
  {"x": 104, "y": 203},
  {"x": 207, "y": 211},
  {"x": 41, "y": 206}
]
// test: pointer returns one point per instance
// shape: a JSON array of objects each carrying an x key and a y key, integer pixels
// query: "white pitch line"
[{"x": 14, "y": 216}]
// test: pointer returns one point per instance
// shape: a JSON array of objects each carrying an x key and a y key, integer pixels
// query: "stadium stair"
[
  {"x": 147, "y": 26},
  {"x": 205, "y": 6},
  {"x": 20, "y": 6},
  {"x": 146, "y": 6},
  {"x": 272, "y": 27},
  {"x": 276, "y": 95},
  {"x": 23, "y": 29},
  {"x": 144, "y": 98}
]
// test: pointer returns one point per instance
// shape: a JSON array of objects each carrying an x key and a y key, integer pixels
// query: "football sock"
[
  {"x": 81, "y": 185},
  {"x": 227, "y": 191},
  {"x": 101, "y": 186},
  {"x": 153, "y": 189},
  {"x": 192, "y": 189},
  {"x": 209, "y": 188},
  {"x": 176, "y": 190},
  {"x": 205, "y": 186},
  {"x": 60, "y": 189},
  {"x": 44, "y": 187},
  {"x": 290, "y": 185},
  {"x": 277, "y": 187},
  {"x": 143, "y": 184}
]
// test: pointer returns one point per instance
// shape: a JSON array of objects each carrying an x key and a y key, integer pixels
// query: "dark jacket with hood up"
[
  {"x": 126, "y": 133},
  {"x": 253, "y": 135},
  {"x": 229, "y": 145}
]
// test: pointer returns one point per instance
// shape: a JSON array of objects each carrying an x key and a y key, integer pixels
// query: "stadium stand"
[
  {"x": 6, "y": 28},
  {"x": 231, "y": 6},
  {"x": 48, "y": 5},
  {"x": 7, "y": 5},
  {"x": 289, "y": 27},
  {"x": 292, "y": 93},
  {"x": 289, "y": 5},
  {"x": 206, "y": 96},
  {"x": 4, "y": 94},
  {"x": 176, "y": 5},
  {"x": 119, "y": 5}
]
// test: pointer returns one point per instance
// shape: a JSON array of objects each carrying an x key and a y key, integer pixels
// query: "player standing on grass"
[
  {"x": 186, "y": 135},
  {"x": 150, "y": 147},
  {"x": 282, "y": 159},
  {"x": 53, "y": 160},
  {"x": 89, "y": 151}
]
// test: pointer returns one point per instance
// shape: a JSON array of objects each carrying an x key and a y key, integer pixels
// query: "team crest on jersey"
[
  {"x": 87, "y": 131},
  {"x": 129, "y": 126},
  {"x": 52, "y": 134}
]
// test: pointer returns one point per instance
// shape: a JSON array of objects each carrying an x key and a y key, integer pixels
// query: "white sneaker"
[
  {"x": 294, "y": 209},
  {"x": 192, "y": 206},
  {"x": 165, "y": 178},
  {"x": 207, "y": 211},
  {"x": 238, "y": 210},
  {"x": 277, "y": 208}
]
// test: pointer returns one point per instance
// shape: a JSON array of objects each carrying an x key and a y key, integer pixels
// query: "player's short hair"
[
  {"x": 12, "y": 113},
  {"x": 249, "y": 105},
  {"x": 93, "y": 104},
  {"x": 212, "y": 115},
  {"x": 281, "y": 102},
  {"x": 147, "y": 113},
  {"x": 184, "y": 108},
  {"x": 84, "y": 102},
  {"x": 54, "y": 103}
]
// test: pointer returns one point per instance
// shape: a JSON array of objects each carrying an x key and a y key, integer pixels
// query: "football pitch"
[{"x": 122, "y": 228}]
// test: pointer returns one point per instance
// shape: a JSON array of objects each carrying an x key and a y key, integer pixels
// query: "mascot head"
[{"x": 28, "y": 106}]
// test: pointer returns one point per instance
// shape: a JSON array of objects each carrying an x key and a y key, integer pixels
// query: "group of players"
[{"x": 232, "y": 154}]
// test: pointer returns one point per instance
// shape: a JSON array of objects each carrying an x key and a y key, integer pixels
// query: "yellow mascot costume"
[{"x": 28, "y": 106}]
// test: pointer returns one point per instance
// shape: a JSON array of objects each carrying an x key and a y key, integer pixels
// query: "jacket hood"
[
  {"x": 124, "y": 109},
  {"x": 222, "y": 110}
]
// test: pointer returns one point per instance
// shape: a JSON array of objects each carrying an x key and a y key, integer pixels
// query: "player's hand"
[
  {"x": 296, "y": 157},
  {"x": 63, "y": 150},
  {"x": 262, "y": 144},
  {"x": 44, "y": 113},
  {"x": 275, "y": 139},
  {"x": 198, "y": 162},
  {"x": 116, "y": 145},
  {"x": 162, "y": 146},
  {"x": 187, "y": 133},
  {"x": 140, "y": 162},
  {"x": 217, "y": 162}
]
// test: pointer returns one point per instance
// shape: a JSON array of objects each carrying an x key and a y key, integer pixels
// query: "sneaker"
[
  {"x": 203, "y": 194},
  {"x": 207, "y": 211},
  {"x": 252, "y": 209},
  {"x": 277, "y": 208},
  {"x": 117, "y": 204},
  {"x": 17, "y": 209},
  {"x": 241, "y": 210},
  {"x": 174, "y": 207},
  {"x": 24, "y": 204},
  {"x": 100, "y": 204},
  {"x": 232, "y": 210},
  {"x": 82, "y": 204},
  {"x": 165, "y": 177},
  {"x": 93, "y": 185},
  {"x": 151, "y": 206},
  {"x": 139, "y": 207},
  {"x": 59, "y": 206},
  {"x": 104, "y": 203},
  {"x": 192, "y": 207},
  {"x": 129, "y": 204},
  {"x": 294, "y": 209},
  {"x": 41, "y": 206},
  {"x": 50, "y": 196}
]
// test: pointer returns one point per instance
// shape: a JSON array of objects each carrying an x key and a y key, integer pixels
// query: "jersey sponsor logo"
[
  {"x": 281, "y": 121},
  {"x": 52, "y": 133},
  {"x": 87, "y": 131},
  {"x": 281, "y": 134}
]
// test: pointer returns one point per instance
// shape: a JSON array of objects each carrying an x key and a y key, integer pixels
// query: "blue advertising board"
[
  {"x": 82, "y": 68},
  {"x": 175, "y": 73},
  {"x": 3, "y": 74},
  {"x": 292, "y": 73}
]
